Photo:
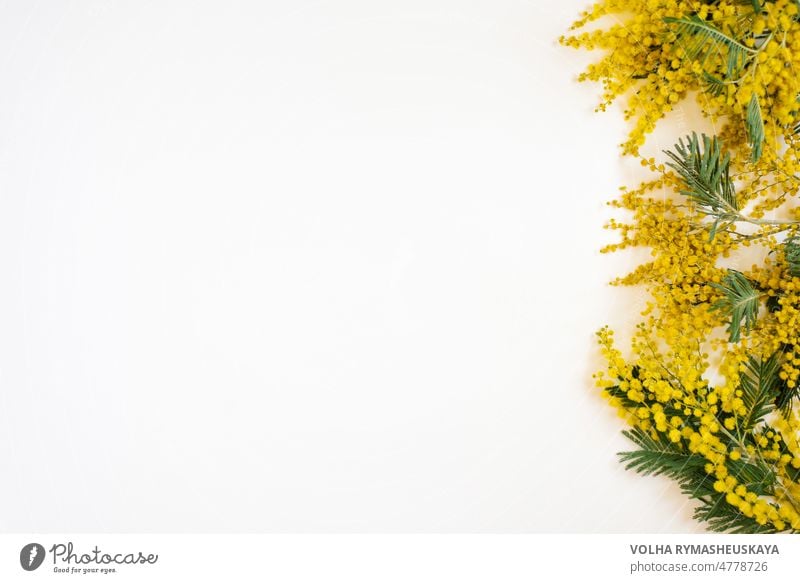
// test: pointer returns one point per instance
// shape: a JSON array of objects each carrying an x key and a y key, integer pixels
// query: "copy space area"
[{"x": 302, "y": 266}]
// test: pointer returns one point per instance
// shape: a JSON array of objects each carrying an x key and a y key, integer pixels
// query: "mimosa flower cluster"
[{"x": 710, "y": 384}]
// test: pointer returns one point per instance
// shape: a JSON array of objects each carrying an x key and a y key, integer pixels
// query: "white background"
[{"x": 308, "y": 266}]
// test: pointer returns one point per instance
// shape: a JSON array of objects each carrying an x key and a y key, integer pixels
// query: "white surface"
[{"x": 307, "y": 266}]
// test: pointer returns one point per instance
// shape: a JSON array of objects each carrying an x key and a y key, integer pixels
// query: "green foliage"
[
  {"x": 656, "y": 456},
  {"x": 705, "y": 172},
  {"x": 701, "y": 40},
  {"x": 774, "y": 303},
  {"x": 760, "y": 389},
  {"x": 791, "y": 249},
  {"x": 618, "y": 393},
  {"x": 714, "y": 85},
  {"x": 755, "y": 128},
  {"x": 786, "y": 396},
  {"x": 740, "y": 303},
  {"x": 756, "y": 475},
  {"x": 722, "y": 517}
]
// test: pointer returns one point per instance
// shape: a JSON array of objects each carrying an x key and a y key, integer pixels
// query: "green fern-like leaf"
[
  {"x": 760, "y": 389},
  {"x": 756, "y": 475},
  {"x": 722, "y": 517},
  {"x": 755, "y": 128},
  {"x": 701, "y": 40},
  {"x": 705, "y": 172},
  {"x": 658, "y": 457},
  {"x": 786, "y": 396},
  {"x": 740, "y": 303},
  {"x": 791, "y": 248},
  {"x": 714, "y": 85}
]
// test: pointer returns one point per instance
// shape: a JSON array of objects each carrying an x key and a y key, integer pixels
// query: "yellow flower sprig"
[
  {"x": 709, "y": 387},
  {"x": 733, "y": 57}
]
